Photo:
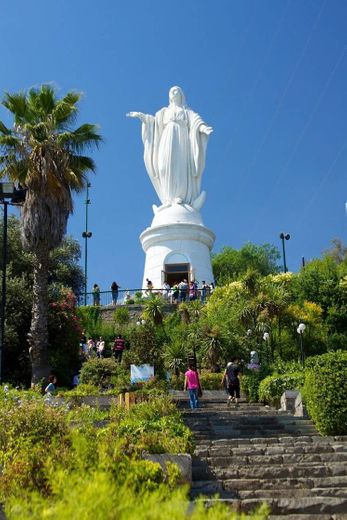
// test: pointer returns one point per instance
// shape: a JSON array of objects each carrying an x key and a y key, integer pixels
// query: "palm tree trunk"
[{"x": 38, "y": 336}]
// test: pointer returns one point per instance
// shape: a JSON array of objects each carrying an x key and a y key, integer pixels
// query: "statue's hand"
[
  {"x": 206, "y": 129},
  {"x": 140, "y": 115}
]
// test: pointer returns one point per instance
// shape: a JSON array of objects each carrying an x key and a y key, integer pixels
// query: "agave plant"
[
  {"x": 175, "y": 356},
  {"x": 153, "y": 309}
]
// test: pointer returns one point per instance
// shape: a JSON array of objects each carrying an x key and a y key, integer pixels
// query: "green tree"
[
  {"x": 318, "y": 282},
  {"x": 230, "y": 263},
  {"x": 43, "y": 153},
  {"x": 338, "y": 251}
]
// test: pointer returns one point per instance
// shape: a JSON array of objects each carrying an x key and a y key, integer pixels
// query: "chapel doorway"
[{"x": 175, "y": 273}]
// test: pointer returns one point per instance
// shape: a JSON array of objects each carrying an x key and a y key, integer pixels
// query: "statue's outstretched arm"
[
  {"x": 139, "y": 115},
  {"x": 204, "y": 129}
]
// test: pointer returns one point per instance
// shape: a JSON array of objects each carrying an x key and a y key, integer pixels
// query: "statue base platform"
[{"x": 177, "y": 246}]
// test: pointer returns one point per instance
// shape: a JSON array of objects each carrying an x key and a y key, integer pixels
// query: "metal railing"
[{"x": 139, "y": 296}]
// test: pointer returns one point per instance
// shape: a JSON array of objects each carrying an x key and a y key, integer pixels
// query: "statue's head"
[{"x": 176, "y": 95}]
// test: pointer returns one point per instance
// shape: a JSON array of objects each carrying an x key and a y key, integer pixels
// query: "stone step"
[
  {"x": 249, "y": 484},
  {"x": 289, "y": 440},
  {"x": 290, "y": 506},
  {"x": 209, "y": 488},
  {"x": 235, "y": 412},
  {"x": 247, "y": 450},
  {"x": 285, "y": 458},
  {"x": 257, "y": 421},
  {"x": 278, "y": 472},
  {"x": 249, "y": 426},
  {"x": 251, "y": 454},
  {"x": 309, "y": 517},
  {"x": 254, "y": 425},
  {"x": 231, "y": 434},
  {"x": 266, "y": 494}
]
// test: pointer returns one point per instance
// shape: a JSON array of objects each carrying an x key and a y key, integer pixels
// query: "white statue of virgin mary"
[{"x": 175, "y": 142}]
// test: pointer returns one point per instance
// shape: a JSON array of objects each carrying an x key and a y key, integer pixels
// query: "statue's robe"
[{"x": 174, "y": 153}]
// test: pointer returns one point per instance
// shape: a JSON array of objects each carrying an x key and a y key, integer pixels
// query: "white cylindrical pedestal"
[{"x": 177, "y": 243}]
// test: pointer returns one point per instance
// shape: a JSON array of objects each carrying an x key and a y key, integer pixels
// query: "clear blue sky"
[{"x": 270, "y": 76}]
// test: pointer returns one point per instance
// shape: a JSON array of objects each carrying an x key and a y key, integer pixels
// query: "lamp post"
[
  {"x": 86, "y": 234},
  {"x": 266, "y": 338},
  {"x": 8, "y": 195},
  {"x": 283, "y": 237},
  {"x": 300, "y": 330}
]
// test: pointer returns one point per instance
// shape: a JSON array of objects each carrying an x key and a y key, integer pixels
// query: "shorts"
[{"x": 234, "y": 389}]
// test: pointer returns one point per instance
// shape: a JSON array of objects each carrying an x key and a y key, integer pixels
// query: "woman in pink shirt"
[{"x": 192, "y": 384}]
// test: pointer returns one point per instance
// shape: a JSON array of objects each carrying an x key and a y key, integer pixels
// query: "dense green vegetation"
[
  {"x": 230, "y": 263},
  {"x": 232, "y": 322}
]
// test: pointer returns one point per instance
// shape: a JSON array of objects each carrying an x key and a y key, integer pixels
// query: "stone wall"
[{"x": 135, "y": 311}]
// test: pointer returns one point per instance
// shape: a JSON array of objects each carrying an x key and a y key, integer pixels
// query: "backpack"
[{"x": 232, "y": 372}]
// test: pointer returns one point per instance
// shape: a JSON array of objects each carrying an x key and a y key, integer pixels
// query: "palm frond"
[
  {"x": 71, "y": 98},
  {"x": 86, "y": 135},
  {"x": 3, "y": 129},
  {"x": 81, "y": 163},
  {"x": 75, "y": 180},
  {"x": 43, "y": 154},
  {"x": 47, "y": 99},
  {"x": 13, "y": 168},
  {"x": 64, "y": 113},
  {"x": 39, "y": 132},
  {"x": 9, "y": 141},
  {"x": 17, "y": 171},
  {"x": 16, "y": 103}
]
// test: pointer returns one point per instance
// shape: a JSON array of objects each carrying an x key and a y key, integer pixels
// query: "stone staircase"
[{"x": 252, "y": 454}]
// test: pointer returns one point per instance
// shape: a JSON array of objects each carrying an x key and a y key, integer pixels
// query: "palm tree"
[
  {"x": 43, "y": 153},
  {"x": 213, "y": 347},
  {"x": 175, "y": 355},
  {"x": 153, "y": 309}
]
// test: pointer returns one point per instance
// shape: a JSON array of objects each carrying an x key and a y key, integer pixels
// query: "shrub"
[
  {"x": 325, "y": 392},
  {"x": 272, "y": 387},
  {"x": 121, "y": 315},
  {"x": 103, "y": 373},
  {"x": 101, "y": 498},
  {"x": 177, "y": 382},
  {"x": 144, "y": 347},
  {"x": 90, "y": 315},
  {"x": 155, "y": 426},
  {"x": 153, "y": 386},
  {"x": 210, "y": 381},
  {"x": 29, "y": 430},
  {"x": 251, "y": 380}
]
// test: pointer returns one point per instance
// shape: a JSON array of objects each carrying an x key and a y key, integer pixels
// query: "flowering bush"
[{"x": 65, "y": 332}]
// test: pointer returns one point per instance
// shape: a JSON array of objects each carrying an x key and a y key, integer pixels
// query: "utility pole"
[
  {"x": 283, "y": 237},
  {"x": 86, "y": 234}
]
